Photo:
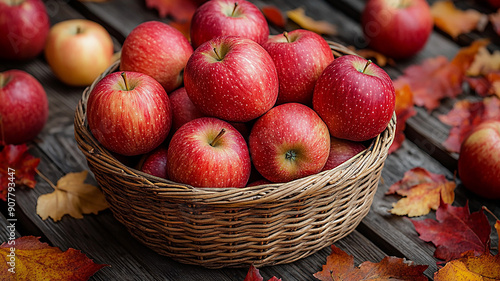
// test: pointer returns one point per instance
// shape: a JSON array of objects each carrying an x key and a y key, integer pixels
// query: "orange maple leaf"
[
  {"x": 26, "y": 258},
  {"x": 404, "y": 110},
  {"x": 17, "y": 168},
  {"x": 254, "y": 275},
  {"x": 423, "y": 191},
  {"x": 465, "y": 115},
  {"x": 321, "y": 27},
  {"x": 340, "y": 266},
  {"x": 471, "y": 268},
  {"x": 454, "y": 21}
]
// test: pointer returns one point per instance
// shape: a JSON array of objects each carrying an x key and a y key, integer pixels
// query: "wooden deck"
[{"x": 102, "y": 238}]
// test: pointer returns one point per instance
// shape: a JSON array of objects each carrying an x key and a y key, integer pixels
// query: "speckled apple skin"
[
  {"x": 240, "y": 87},
  {"x": 355, "y": 106}
]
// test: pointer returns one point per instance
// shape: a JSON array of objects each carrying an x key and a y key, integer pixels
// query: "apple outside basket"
[{"x": 236, "y": 227}]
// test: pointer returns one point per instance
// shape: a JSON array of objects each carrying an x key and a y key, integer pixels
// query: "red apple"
[
  {"x": 479, "y": 160},
  {"x": 158, "y": 50},
  {"x": 24, "y": 25},
  {"x": 398, "y": 29},
  {"x": 208, "y": 152},
  {"x": 23, "y": 107},
  {"x": 231, "y": 78},
  {"x": 183, "y": 109},
  {"x": 300, "y": 56},
  {"x": 289, "y": 142},
  {"x": 129, "y": 113},
  {"x": 78, "y": 51},
  {"x": 355, "y": 98},
  {"x": 341, "y": 151},
  {"x": 155, "y": 162},
  {"x": 228, "y": 17}
]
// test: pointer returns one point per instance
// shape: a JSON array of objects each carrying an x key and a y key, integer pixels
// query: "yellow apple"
[{"x": 78, "y": 51}]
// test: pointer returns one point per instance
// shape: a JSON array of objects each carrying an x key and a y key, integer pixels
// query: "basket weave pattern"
[{"x": 235, "y": 227}]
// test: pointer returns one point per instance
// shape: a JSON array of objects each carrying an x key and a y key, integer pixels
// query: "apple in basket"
[
  {"x": 341, "y": 151},
  {"x": 24, "y": 108},
  {"x": 355, "y": 98},
  {"x": 129, "y": 113},
  {"x": 300, "y": 56},
  {"x": 24, "y": 25},
  {"x": 231, "y": 78},
  {"x": 289, "y": 142},
  {"x": 183, "y": 109},
  {"x": 208, "y": 152},
  {"x": 155, "y": 162},
  {"x": 228, "y": 17},
  {"x": 158, "y": 50}
]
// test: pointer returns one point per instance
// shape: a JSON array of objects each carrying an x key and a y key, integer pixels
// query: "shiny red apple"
[
  {"x": 232, "y": 78},
  {"x": 129, "y": 113},
  {"x": 208, "y": 152},
  {"x": 228, "y": 17},
  {"x": 355, "y": 98},
  {"x": 158, "y": 50},
  {"x": 300, "y": 57},
  {"x": 289, "y": 142},
  {"x": 398, "y": 29},
  {"x": 155, "y": 162},
  {"x": 341, "y": 151},
  {"x": 24, "y": 25},
  {"x": 479, "y": 160},
  {"x": 24, "y": 108},
  {"x": 183, "y": 109}
]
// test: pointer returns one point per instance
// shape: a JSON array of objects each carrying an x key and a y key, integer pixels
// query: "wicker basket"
[{"x": 235, "y": 227}]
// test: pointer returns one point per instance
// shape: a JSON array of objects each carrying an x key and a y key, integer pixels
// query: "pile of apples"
[{"x": 206, "y": 112}]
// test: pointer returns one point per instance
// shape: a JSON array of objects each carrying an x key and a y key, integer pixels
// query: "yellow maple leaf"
[
  {"x": 455, "y": 21},
  {"x": 71, "y": 196},
  {"x": 471, "y": 268},
  {"x": 321, "y": 27}
]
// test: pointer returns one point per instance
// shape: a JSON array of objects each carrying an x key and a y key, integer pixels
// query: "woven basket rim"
[{"x": 230, "y": 195}]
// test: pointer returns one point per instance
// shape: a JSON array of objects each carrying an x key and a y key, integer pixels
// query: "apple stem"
[
  {"x": 124, "y": 76},
  {"x": 217, "y": 138},
  {"x": 2, "y": 81},
  {"x": 366, "y": 65},
  {"x": 217, "y": 54},
  {"x": 78, "y": 29},
  {"x": 234, "y": 9},
  {"x": 286, "y": 36}
]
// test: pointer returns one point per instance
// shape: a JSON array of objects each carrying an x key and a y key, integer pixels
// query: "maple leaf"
[
  {"x": 455, "y": 231},
  {"x": 464, "y": 116},
  {"x": 404, "y": 110},
  {"x": 34, "y": 260},
  {"x": 71, "y": 196},
  {"x": 454, "y": 21},
  {"x": 16, "y": 166},
  {"x": 254, "y": 275},
  {"x": 437, "y": 78},
  {"x": 423, "y": 191},
  {"x": 484, "y": 62},
  {"x": 340, "y": 266},
  {"x": 471, "y": 268},
  {"x": 180, "y": 10},
  {"x": 321, "y": 27},
  {"x": 274, "y": 15},
  {"x": 495, "y": 21}
]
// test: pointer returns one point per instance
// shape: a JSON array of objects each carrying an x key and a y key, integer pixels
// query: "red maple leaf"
[
  {"x": 465, "y": 115},
  {"x": 274, "y": 15},
  {"x": 340, "y": 266},
  {"x": 455, "y": 231},
  {"x": 17, "y": 168},
  {"x": 254, "y": 275}
]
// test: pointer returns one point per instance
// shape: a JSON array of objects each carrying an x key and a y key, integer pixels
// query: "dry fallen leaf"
[
  {"x": 484, "y": 62},
  {"x": 465, "y": 115},
  {"x": 495, "y": 21},
  {"x": 340, "y": 266},
  {"x": 454, "y": 21},
  {"x": 423, "y": 191},
  {"x": 471, "y": 268},
  {"x": 321, "y": 27},
  {"x": 254, "y": 275},
  {"x": 455, "y": 231},
  {"x": 71, "y": 196},
  {"x": 17, "y": 168},
  {"x": 404, "y": 110},
  {"x": 35, "y": 260}
]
